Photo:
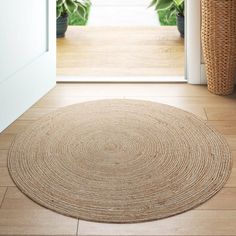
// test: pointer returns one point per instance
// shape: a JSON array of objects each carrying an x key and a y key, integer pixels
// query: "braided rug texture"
[{"x": 119, "y": 161}]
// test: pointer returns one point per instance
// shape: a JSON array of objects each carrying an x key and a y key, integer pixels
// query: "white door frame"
[
  {"x": 194, "y": 67},
  {"x": 195, "y": 72},
  {"x": 24, "y": 86}
]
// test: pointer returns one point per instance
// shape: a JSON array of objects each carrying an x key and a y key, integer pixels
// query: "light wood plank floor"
[
  {"x": 121, "y": 51},
  {"x": 21, "y": 216}
]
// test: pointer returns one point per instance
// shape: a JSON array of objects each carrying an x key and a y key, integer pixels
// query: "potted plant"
[
  {"x": 66, "y": 8},
  {"x": 171, "y": 7}
]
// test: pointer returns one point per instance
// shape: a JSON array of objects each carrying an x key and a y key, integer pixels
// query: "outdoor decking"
[{"x": 120, "y": 51}]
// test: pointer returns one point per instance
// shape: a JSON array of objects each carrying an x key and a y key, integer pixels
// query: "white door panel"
[
  {"x": 25, "y": 36},
  {"x": 28, "y": 55}
]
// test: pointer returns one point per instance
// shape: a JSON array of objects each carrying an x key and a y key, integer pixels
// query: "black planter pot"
[
  {"x": 180, "y": 25},
  {"x": 62, "y": 25}
]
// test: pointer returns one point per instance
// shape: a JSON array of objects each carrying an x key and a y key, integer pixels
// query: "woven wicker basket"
[{"x": 219, "y": 44}]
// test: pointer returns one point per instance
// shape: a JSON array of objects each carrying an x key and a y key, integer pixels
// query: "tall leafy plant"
[
  {"x": 75, "y": 7},
  {"x": 170, "y": 7}
]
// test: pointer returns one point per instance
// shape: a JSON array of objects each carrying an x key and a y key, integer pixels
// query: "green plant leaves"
[
  {"x": 171, "y": 7},
  {"x": 60, "y": 3},
  {"x": 72, "y": 7},
  {"x": 178, "y": 2}
]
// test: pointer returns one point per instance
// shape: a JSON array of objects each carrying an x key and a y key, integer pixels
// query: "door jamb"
[
  {"x": 194, "y": 69},
  {"x": 193, "y": 42}
]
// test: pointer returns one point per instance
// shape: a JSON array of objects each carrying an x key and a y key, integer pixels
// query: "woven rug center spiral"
[{"x": 119, "y": 161}]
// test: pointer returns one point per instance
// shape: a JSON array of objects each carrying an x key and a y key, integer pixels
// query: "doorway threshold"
[{"x": 121, "y": 79}]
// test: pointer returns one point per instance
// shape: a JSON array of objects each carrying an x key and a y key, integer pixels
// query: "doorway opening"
[{"x": 123, "y": 41}]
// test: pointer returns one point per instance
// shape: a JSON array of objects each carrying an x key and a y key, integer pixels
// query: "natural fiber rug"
[{"x": 119, "y": 161}]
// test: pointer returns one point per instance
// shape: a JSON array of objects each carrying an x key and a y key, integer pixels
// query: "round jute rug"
[{"x": 119, "y": 161}]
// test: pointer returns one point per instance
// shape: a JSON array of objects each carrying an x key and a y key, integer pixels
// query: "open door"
[{"x": 28, "y": 55}]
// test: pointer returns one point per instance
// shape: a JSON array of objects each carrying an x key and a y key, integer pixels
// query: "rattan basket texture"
[{"x": 219, "y": 44}]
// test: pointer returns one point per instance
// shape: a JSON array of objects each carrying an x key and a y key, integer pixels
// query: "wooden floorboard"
[
  {"x": 196, "y": 222},
  {"x": 21, "y": 216},
  {"x": 5, "y": 179},
  {"x": 120, "y": 51},
  {"x": 224, "y": 114},
  {"x": 3, "y": 158},
  {"x": 2, "y": 194}
]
